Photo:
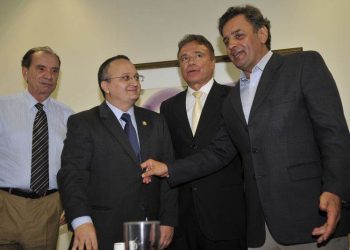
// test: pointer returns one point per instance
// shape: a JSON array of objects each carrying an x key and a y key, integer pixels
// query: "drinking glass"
[{"x": 141, "y": 235}]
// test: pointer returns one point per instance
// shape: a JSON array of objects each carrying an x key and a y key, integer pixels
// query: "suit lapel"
[
  {"x": 181, "y": 114},
  {"x": 266, "y": 83},
  {"x": 113, "y": 126},
  {"x": 144, "y": 125},
  {"x": 210, "y": 108},
  {"x": 235, "y": 100}
]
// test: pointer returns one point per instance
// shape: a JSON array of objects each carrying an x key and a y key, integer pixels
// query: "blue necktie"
[{"x": 131, "y": 133}]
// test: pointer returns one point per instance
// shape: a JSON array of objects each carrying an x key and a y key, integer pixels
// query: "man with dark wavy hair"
[{"x": 285, "y": 119}]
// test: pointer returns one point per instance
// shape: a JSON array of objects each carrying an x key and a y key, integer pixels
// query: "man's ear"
[
  {"x": 263, "y": 34},
  {"x": 105, "y": 86},
  {"x": 25, "y": 73}
]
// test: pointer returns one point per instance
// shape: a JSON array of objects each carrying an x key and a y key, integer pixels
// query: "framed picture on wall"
[{"x": 163, "y": 79}]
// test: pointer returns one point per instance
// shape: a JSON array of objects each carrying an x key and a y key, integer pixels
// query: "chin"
[{"x": 134, "y": 98}]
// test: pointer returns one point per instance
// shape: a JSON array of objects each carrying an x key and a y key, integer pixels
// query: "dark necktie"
[
  {"x": 131, "y": 133},
  {"x": 39, "y": 181}
]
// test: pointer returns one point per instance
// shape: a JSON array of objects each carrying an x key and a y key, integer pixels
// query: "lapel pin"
[{"x": 144, "y": 123}]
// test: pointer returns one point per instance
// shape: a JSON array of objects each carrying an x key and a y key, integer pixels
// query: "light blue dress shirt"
[
  {"x": 17, "y": 113},
  {"x": 118, "y": 114},
  {"x": 249, "y": 85}
]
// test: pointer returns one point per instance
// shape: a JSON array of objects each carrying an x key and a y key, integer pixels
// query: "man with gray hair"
[
  {"x": 32, "y": 130},
  {"x": 209, "y": 219}
]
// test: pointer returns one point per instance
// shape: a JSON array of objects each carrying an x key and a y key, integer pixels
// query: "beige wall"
[{"x": 85, "y": 32}]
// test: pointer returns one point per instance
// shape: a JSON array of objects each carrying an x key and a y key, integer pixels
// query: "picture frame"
[
  {"x": 218, "y": 59},
  {"x": 163, "y": 79}
]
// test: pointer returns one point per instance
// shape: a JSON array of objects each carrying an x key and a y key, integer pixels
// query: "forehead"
[
  {"x": 45, "y": 59},
  {"x": 235, "y": 24},
  {"x": 121, "y": 66},
  {"x": 192, "y": 47}
]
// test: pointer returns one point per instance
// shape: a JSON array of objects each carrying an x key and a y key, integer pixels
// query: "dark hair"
[
  {"x": 198, "y": 39},
  {"x": 253, "y": 16},
  {"x": 103, "y": 70},
  {"x": 27, "y": 58}
]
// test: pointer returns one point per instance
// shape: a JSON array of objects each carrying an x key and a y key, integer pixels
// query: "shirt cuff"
[{"x": 80, "y": 221}]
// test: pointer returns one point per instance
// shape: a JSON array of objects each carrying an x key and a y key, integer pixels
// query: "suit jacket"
[
  {"x": 217, "y": 198},
  {"x": 101, "y": 177},
  {"x": 295, "y": 146}
]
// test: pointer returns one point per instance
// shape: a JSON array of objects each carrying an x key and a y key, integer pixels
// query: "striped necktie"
[{"x": 39, "y": 181}]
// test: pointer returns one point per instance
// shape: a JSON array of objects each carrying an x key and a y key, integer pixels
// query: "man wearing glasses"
[{"x": 100, "y": 174}]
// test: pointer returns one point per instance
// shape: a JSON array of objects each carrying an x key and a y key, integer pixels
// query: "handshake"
[{"x": 152, "y": 167}]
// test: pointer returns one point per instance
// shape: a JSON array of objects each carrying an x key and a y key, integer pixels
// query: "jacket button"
[
  {"x": 255, "y": 150},
  {"x": 194, "y": 146}
]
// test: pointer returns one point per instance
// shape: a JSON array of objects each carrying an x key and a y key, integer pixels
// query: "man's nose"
[
  {"x": 231, "y": 43},
  {"x": 48, "y": 74}
]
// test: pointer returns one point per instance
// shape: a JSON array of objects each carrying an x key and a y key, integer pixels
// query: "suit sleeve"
[
  {"x": 212, "y": 158},
  {"x": 169, "y": 196},
  {"x": 74, "y": 173},
  {"x": 331, "y": 132},
  {"x": 217, "y": 155}
]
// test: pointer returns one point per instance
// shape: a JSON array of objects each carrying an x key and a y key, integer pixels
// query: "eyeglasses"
[
  {"x": 188, "y": 58},
  {"x": 127, "y": 78}
]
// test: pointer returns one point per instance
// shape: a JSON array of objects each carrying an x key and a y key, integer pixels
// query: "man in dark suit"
[
  {"x": 286, "y": 120},
  {"x": 100, "y": 174},
  {"x": 209, "y": 219}
]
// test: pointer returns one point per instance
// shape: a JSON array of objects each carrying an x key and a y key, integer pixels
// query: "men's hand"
[
  {"x": 85, "y": 235},
  {"x": 166, "y": 236},
  {"x": 62, "y": 219},
  {"x": 331, "y": 204},
  {"x": 153, "y": 168}
]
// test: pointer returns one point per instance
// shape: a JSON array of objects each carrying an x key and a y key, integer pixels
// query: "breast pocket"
[
  {"x": 305, "y": 171},
  {"x": 283, "y": 99}
]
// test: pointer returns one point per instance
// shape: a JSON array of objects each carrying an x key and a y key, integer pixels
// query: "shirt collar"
[
  {"x": 31, "y": 101},
  {"x": 204, "y": 89},
  {"x": 118, "y": 113},
  {"x": 259, "y": 66}
]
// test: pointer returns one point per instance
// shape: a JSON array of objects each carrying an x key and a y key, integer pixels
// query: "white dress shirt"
[{"x": 190, "y": 99}]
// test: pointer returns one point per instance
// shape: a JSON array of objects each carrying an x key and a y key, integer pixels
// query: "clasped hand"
[{"x": 152, "y": 167}]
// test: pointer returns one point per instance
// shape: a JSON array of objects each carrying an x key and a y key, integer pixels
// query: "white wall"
[{"x": 86, "y": 32}]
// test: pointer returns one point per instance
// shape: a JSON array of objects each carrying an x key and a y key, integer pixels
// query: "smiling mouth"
[
  {"x": 236, "y": 53},
  {"x": 192, "y": 71},
  {"x": 49, "y": 84},
  {"x": 132, "y": 90}
]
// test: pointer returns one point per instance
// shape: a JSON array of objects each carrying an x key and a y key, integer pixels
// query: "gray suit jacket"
[
  {"x": 101, "y": 177},
  {"x": 295, "y": 146}
]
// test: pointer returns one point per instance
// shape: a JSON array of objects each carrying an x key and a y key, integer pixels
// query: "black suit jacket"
[
  {"x": 218, "y": 198},
  {"x": 295, "y": 146},
  {"x": 101, "y": 176}
]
